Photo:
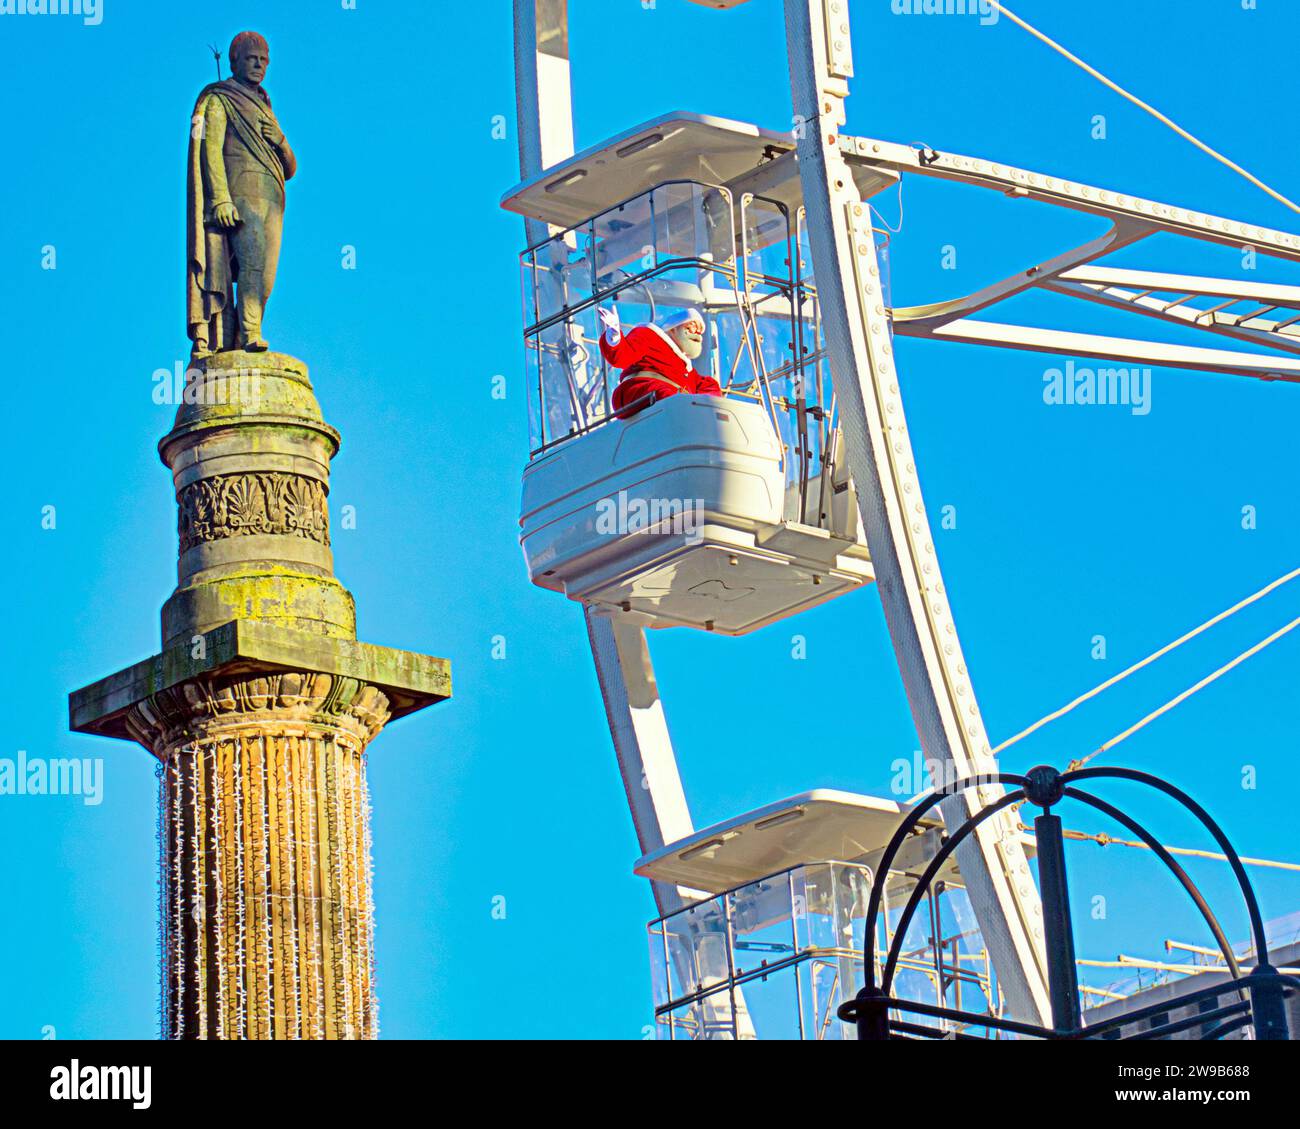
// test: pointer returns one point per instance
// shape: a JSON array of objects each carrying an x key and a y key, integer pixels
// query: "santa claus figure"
[{"x": 655, "y": 359}]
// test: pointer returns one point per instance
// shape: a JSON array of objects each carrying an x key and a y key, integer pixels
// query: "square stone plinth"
[{"x": 410, "y": 681}]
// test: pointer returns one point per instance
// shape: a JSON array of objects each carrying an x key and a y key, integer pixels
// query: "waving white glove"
[{"x": 609, "y": 319}]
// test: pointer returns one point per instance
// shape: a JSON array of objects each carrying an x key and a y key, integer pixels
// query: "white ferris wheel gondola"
[
  {"x": 796, "y": 486},
  {"x": 726, "y": 514}
]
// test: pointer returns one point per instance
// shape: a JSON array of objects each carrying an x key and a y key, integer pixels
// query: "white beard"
[{"x": 690, "y": 347}]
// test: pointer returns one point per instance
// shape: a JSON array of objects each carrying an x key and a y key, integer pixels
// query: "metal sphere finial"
[{"x": 1043, "y": 786}]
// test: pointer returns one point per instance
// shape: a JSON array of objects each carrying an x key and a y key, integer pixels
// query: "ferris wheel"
[{"x": 793, "y": 484}]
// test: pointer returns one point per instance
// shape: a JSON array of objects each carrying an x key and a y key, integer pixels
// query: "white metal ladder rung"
[
  {"x": 1204, "y": 318},
  {"x": 1215, "y": 309},
  {"x": 1255, "y": 314}
]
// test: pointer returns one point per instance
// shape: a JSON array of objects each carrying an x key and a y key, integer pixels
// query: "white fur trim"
[
  {"x": 683, "y": 317},
  {"x": 671, "y": 343}
]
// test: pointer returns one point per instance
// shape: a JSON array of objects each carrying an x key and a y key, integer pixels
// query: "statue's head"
[
  {"x": 250, "y": 56},
  {"x": 686, "y": 328}
]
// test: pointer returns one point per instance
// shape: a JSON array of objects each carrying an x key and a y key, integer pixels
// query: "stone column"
[{"x": 260, "y": 708}]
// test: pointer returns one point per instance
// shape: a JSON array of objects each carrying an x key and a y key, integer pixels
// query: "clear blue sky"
[{"x": 1072, "y": 522}]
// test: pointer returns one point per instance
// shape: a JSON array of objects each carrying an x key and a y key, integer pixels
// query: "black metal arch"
[
  {"x": 900, "y": 836},
  {"x": 1045, "y": 787},
  {"x": 1234, "y": 860},
  {"x": 927, "y": 878},
  {"x": 1158, "y": 849}
]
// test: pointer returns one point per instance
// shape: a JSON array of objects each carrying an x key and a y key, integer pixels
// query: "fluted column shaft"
[{"x": 264, "y": 820}]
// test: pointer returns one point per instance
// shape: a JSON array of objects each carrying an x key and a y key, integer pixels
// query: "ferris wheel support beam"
[
  {"x": 543, "y": 94},
  {"x": 1123, "y": 233},
  {"x": 642, "y": 743},
  {"x": 880, "y": 459},
  {"x": 1125, "y": 350},
  {"x": 647, "y": 763}
]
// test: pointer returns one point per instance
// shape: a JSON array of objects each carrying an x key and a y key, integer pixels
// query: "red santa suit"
[{"x": 652, "y": 362}]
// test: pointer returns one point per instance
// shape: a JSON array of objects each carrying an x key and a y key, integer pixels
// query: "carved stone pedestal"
[{"x": 260, "y": 708}]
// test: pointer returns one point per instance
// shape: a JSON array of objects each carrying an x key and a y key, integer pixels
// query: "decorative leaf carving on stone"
[
  {"x": 237, "y": 505},
  {"x": 270, "y": 700}
]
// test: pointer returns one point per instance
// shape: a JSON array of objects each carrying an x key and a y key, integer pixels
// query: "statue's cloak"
[{"x": 209, "y": 277}]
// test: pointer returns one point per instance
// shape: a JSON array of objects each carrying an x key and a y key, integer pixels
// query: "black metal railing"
[{"x": 1260, "y": 996}]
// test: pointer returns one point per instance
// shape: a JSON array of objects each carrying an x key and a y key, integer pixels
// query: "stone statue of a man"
[{"x": 239, "y": 162}]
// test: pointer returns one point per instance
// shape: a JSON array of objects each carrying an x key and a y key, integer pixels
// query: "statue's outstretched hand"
[
  {"x": 225, "y": 215},
  {"x": 609, "y": 321},
  {"x": 272, "y": 133}
]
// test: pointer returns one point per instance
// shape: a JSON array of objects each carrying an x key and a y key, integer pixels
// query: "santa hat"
[{"x": 682, "y": 317}]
